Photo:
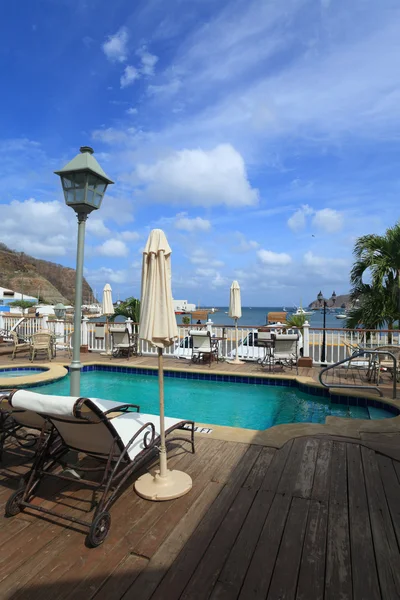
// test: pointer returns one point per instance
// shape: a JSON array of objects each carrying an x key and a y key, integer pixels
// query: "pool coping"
[
  {"x": 274, "y": 436},
  {"x": 52, "y": 372}
]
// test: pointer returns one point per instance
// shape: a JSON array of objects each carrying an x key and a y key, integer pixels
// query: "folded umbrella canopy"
[
  {"x": 158, "y": 327},
  {"x": 235, "y": 312},
  {"x": 107, "y": 308}
]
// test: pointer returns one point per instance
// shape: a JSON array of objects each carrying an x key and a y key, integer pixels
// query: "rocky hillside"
[
  {"x": 342, "y": 301},
  {"x": 54, "y": 283}
]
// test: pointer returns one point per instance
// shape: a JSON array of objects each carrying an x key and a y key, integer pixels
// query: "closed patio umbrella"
[
  {"x": 235, "y": 312},
  {"x": 107, "y": 308},
  {"x": 158, "y": 327}
]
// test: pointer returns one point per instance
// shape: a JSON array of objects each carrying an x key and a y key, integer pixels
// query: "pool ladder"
[{"x": 356, "y": 354}]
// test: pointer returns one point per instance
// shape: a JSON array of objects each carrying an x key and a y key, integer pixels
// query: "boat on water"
[
  {"x": 300, "y": 311},
  {"x": 341, "y": 316}
]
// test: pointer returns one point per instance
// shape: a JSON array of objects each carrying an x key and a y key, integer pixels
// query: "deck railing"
[{"x": 95, "y": 336}]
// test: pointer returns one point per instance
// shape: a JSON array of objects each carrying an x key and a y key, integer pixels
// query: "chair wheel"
[
  {"x": 99, "y": 529},
  {"x": 13, "y": 503}
]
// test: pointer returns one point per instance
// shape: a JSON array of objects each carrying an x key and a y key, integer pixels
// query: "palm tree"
[
  {"x": 378, "y": 301},
  {"x": 296, "y": 321},
  {"x": 129, "y": 309}
]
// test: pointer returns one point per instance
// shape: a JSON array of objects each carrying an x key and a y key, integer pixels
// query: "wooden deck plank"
[
  {"x": 260, "y": 468},
  {"x": 322, "y": 474},
  {"x": 365, "y": 577},
  {"x": 145, "y": 585},
  {"x": 305, "y": 476},
  {"x": 392, "y": 490},
  {"x": 184, "y": 566},
  {"x": 276, "y": 467},
  {"x": 120, "y": 579},
  {"x": 338, "y": 475},
  {"x": 292, "y": 466},
  {"x": 338, "y": 582},
  {"x": 234, "y": 571},
  {"x": 208, "y": 569},
  {"x": 385, "y": 543},
  {"x": 312, "y": 567},
  {"x": 258, "y": 577},
  {"x": 284, "y": 579}
]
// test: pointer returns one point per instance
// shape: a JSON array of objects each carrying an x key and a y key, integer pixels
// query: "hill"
[
  {"x": 342, "y": 301},
  {"x": 32, "y": 276}
]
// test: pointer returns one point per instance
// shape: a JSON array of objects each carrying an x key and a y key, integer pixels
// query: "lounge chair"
[
  {"x": 385, "y": 362},
  {"x": 123, "y": 344},
  {"x": 202, "y": 348},
  {"x": 23, "y": 426},
  {"x": 286, "y": 349},
  {"x": 41, "y": 343},
  {"x": 18, "y": 345},
  {"x": 120, "y": 438}
]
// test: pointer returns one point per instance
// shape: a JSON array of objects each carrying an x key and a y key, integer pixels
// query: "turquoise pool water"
[
  {"x": 20, "y": 372},
  {"x": 235, "y": 404}
]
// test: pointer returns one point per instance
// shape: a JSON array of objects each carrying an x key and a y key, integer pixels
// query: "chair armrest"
[{"x": 123, "y": 408}]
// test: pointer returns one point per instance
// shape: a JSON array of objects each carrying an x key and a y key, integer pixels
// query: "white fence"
[{"x": 96, "y": 338}]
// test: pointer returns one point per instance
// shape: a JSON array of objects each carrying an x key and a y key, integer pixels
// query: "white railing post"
[
  {"x": 45, "y": 320},
  {"x": 2, "y": 325},
  {"x": 129, "y": 324},
  {"x": 306, "y": 339},
  {"x": 84, "y": 332},
  {"x": 209, "y": 326}
]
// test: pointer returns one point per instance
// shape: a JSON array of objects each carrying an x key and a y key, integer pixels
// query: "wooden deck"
[
  {"x": 317, "y": 519},
  {"x": 352, "y": 376}
]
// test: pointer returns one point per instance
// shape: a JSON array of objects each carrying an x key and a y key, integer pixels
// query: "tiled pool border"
[{"x": 251, "y": 380}]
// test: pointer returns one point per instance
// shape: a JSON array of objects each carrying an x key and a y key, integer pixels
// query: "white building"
[
  {"x": 7, "y": 297},
  {"x": 181, "y": 306}
]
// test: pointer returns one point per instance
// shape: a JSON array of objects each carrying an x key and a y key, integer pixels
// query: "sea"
[{"x": 257, "y": 315}]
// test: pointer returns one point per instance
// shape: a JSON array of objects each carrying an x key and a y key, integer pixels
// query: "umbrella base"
[
  {"x": 174, "y": 485},
  {"x": 235, "y": 361}
]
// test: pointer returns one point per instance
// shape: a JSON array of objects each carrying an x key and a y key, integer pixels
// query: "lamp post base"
[
  {"x": 174, "y": 485},
  {"x": 235, "y": 361}
]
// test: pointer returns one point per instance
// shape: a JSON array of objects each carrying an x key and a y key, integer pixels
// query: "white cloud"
[
  {"x": 149, "y": 62},
  {"x": 328, "y": 220},
  {"x": 166, "y": 89},
  {"x": 298, "y": 220},
  {"x": 106, "y": 275},
  {"x": 276, "y": 259},
  {"x": 206, "y": 272},
  {"x": 245, "y": 245},
  {"x": 129, "y": 236},
  {"x": 132, "y": 111},
  {"x": 187, "y": 224},
  {"x": 42, "y": 229},
  {"x": 115, "y": 47},
  {"x": 201, "y": 257},
  {"x": 97, "y": 227},
  {"x": 327, "y": 268},
  {"x": 113, "y": 136},
  {"x": 114, "y": 248},
  {"x": 199, "y": 177},
  {"x": 129, "y": 76}
]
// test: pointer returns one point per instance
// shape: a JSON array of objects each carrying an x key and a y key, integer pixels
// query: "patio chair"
[
  {"x": 41, "y": 343},
  {"x": 286, "y": 349},
  {"x": 357, "y": 362},
  {"x": 122, "y": 342},
  {"x": 385, "y": 362},
  {"x": 202, "y": 347},
  {"x": 18, "y": 345},
  {"x": 111, "y": 432}
]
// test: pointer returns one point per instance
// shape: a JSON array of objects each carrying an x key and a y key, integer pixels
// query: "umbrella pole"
[
  {"x": 163, "y": 449},
  {"x": 165, "y": 484}
]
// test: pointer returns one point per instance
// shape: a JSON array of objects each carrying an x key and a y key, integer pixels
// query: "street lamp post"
[
  {"x": 84, "y": 184},
  {"x": 323, "y": 349},
  {"x": 333, "y": 297}
]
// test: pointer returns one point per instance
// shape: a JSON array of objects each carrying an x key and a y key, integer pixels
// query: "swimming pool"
[
  {"x": 251, "y": 406},
  {"x": 21, "y": 371}
]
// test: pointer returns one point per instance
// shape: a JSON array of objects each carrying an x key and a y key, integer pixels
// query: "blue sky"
[{"x": 262, "y": 136}]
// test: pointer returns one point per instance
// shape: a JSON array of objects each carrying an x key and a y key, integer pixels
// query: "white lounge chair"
[
  {"x": 123, "y": 343},
  {"x": 202, "y": 349},
  {"x": 285, "y": 349},
  {"x": 104, "y": 429}
]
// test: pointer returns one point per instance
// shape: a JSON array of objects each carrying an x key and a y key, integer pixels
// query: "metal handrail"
[{"x": 356, "y": 354}]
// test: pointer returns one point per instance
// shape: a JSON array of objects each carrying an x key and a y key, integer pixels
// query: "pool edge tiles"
[{"x": 49, "y": 372}]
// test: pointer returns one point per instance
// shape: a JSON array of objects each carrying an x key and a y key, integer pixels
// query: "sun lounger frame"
[{"x": 118, "y": 467}]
